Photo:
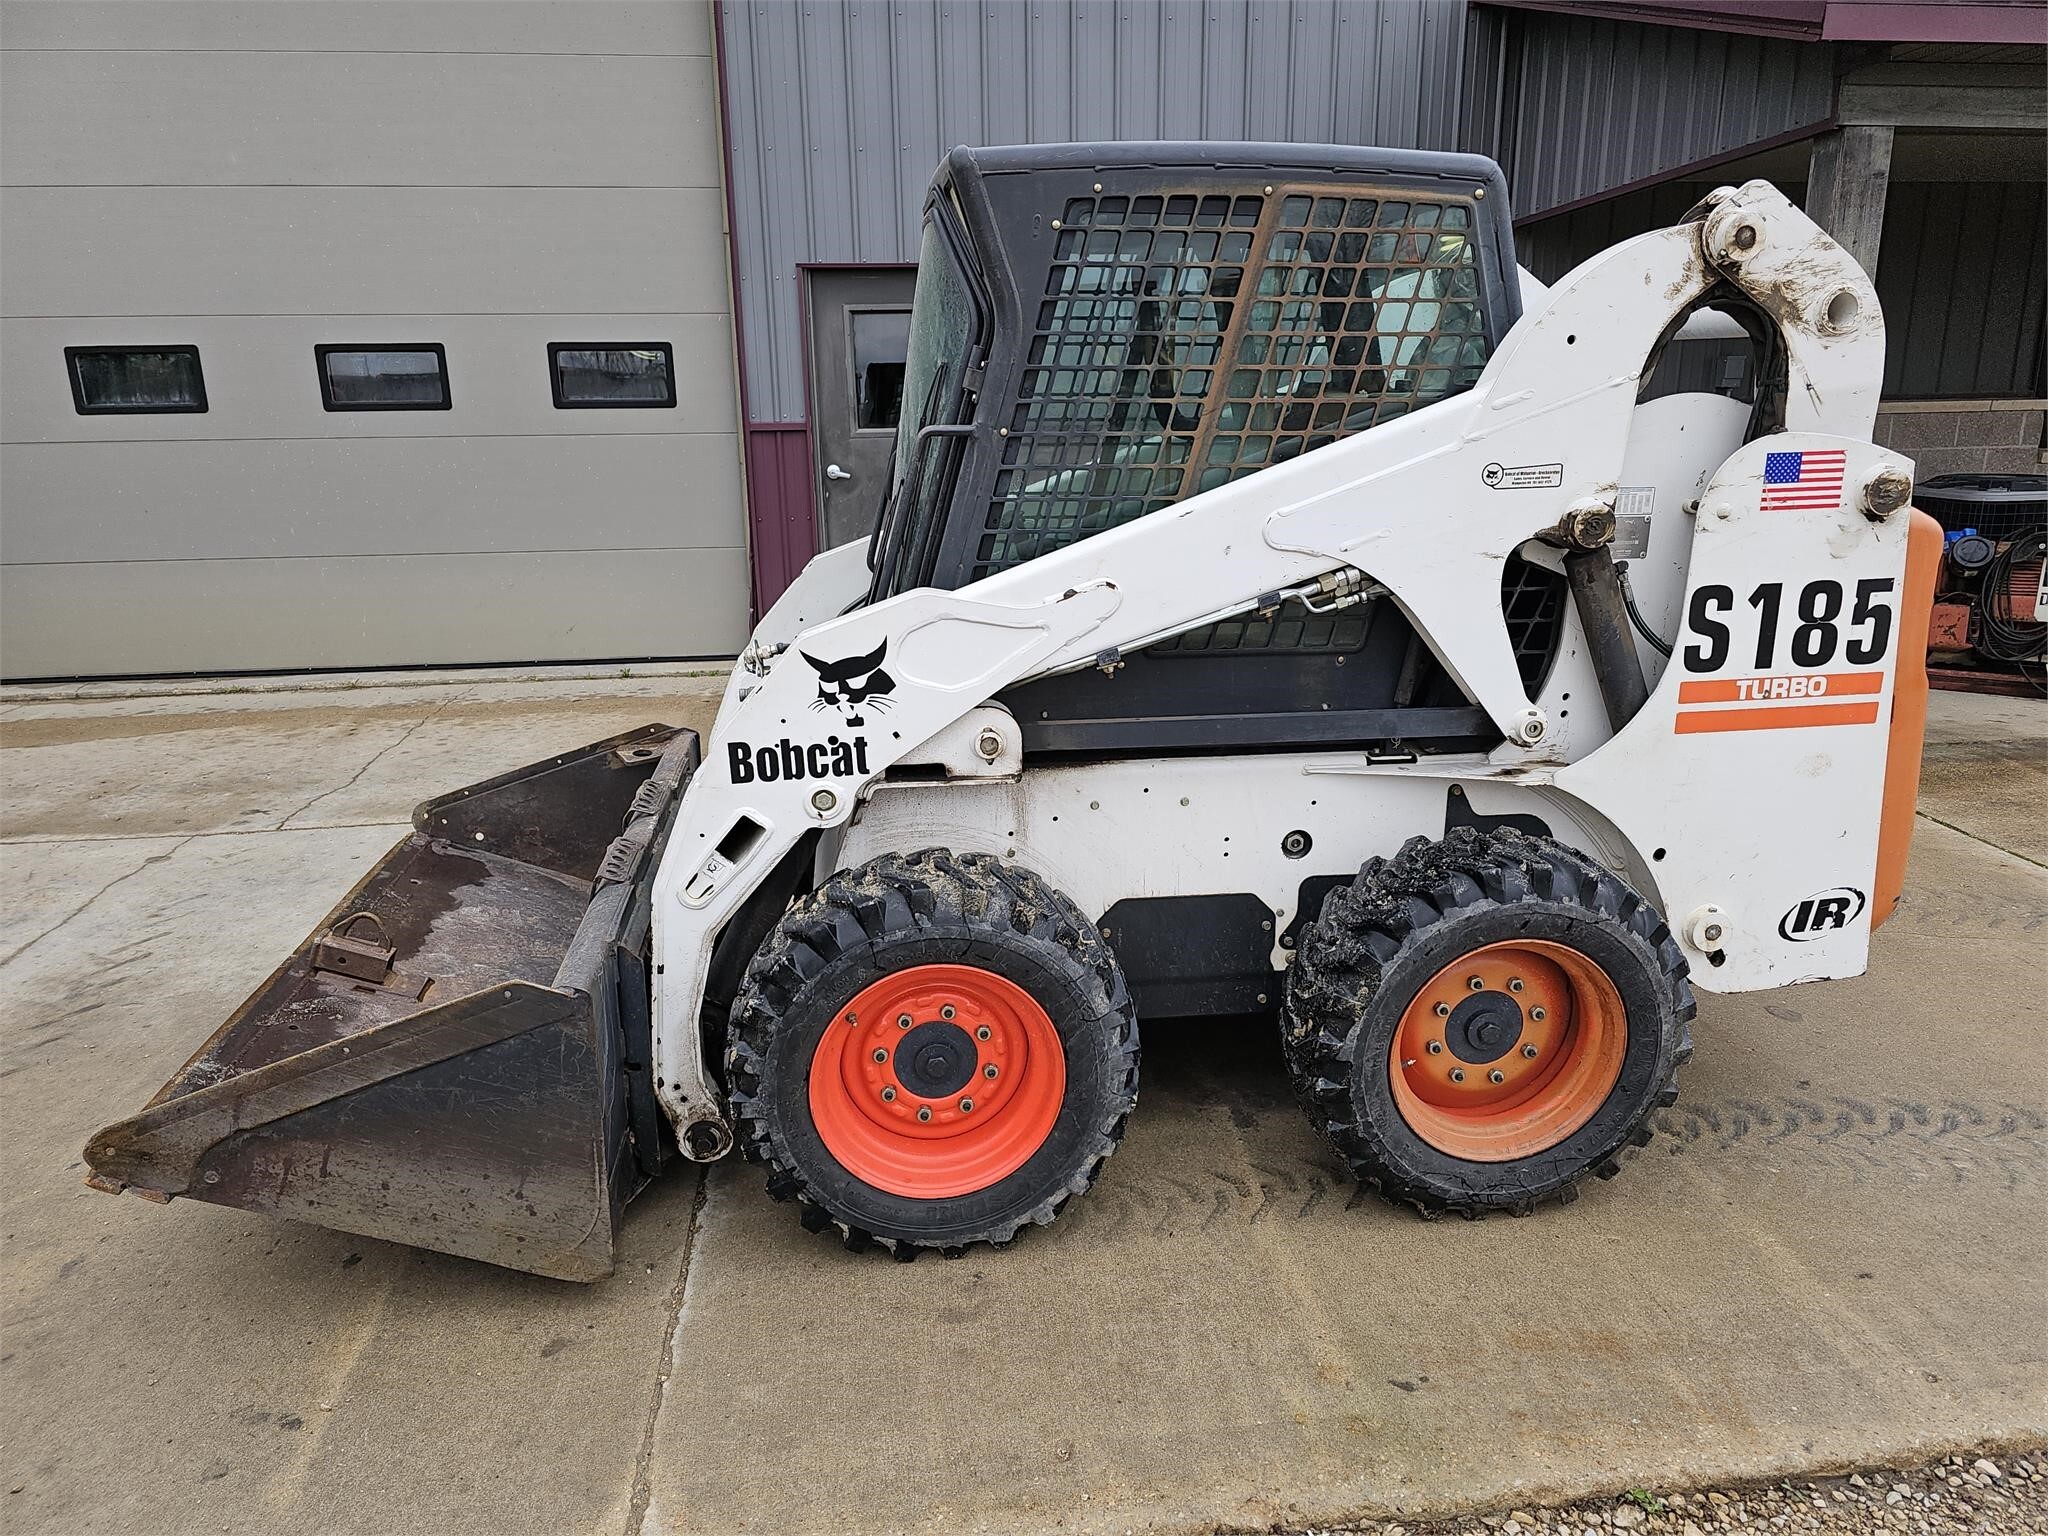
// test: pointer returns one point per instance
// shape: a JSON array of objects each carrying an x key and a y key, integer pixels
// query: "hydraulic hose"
[
  {"x": 1603, "y": 615},
  {"x": 1635, "y": 614}
]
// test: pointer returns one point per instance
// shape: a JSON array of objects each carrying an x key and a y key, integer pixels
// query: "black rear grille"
[{"x": 1532, "y": 600}]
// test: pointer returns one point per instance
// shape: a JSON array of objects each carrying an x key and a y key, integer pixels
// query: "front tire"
[
  {"x": 1480, "y": 1022},
  {"x": 932, "y": 1051}
]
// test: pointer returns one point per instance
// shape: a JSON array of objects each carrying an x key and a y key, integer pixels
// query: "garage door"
[{"x": 346, "y": 335}]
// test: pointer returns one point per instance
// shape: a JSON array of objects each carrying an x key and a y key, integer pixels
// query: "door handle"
[{"x": 834, "y": 472}]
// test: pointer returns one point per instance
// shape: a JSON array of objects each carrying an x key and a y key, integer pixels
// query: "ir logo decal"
[
  {"x": 853, "y": 685},
  {"x": 1821, "y": 914}
]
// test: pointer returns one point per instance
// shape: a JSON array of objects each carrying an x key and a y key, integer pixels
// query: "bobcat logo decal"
[{"x": 853, "y": 685}]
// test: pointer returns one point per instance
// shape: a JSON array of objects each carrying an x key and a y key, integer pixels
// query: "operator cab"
[{"x": 1101, "y": 332}]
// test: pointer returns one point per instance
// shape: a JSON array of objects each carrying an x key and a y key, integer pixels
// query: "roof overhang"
[{"x": 1827, "y": 21}]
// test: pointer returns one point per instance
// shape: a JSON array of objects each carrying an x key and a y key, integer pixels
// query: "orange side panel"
[
  {"x": 1909, "y": 716},
  {"x": 1773, "y": 717}
]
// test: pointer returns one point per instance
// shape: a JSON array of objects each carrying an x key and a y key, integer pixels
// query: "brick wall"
[{"x": 1957, "y": 437}]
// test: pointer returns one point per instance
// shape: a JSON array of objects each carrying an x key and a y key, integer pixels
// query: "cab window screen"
[{"x": 1184, "y": 341}]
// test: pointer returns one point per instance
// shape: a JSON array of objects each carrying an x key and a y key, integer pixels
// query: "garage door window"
[
  {"x": 600, "y": 375},
  {"x": 410, "y": 376},
  {"x": 135, "y": 381}
]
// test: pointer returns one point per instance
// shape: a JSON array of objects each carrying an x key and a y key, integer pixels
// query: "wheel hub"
[
  {"x": 936, "y": 1060},
  {"x": 937, "y": 1080},
  {"x": 1507, "y": 1051},
  {"x": 1484, "y": 1027}
]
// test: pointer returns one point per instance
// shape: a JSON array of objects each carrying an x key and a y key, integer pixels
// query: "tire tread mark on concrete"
[
  {"x": 1316, "y": 1188},
  {"x": 1897, "y": 1138},
  {"x": 156, "y": 858},
  {"x": 1219, "y": 1207},
  {"x": 1242, "y": 1186},
  {"x": 1870, "y": 1141},
  {"x": 643, "y": 1464}
]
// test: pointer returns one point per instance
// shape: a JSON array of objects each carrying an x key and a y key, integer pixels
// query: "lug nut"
[
  {"x": 990, "y": 1071},
  {"x": 1457, "y": 1074},
  {"x": 888, "y": 1095},
  {"x": 1539, "y": 1014},
  {"x": 903, "y": 1021},
  {"x": 1514, "y": 983},
  {"x": 924, "y": 1111},
  {"x": 1529, "y": 1051},
  {"x": 967, "y": 1106},
  {"x": 946, "y": 1012},
  {"x": 1443, "y": 1010},
  {"x": 1476, "y": 983},
  {"x": 1496, "y": 1076},
  {"x": 880, "y": 1054},
  {"x": 1436, "y": 1047},
  {"x": 982, "y": 1033}
]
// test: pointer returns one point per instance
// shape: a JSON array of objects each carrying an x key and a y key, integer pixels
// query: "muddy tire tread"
[
  {"x": 1367, "y": 926},
  {"x": 932, "y": 892}
]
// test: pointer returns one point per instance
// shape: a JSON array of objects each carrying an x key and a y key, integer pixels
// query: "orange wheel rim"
[
  {"x": 1506, "y": 1052},
  {"x": 937, "y": 1081}
]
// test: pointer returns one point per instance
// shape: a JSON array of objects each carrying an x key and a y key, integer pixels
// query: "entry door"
[{"x": 860, "y": 330}]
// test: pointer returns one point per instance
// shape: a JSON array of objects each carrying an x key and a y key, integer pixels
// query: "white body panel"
[
  {"x": 1180, "y": 826},
  {"x": 1739, "y": 824}
]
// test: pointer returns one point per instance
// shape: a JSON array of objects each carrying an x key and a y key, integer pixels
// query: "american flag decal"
[{"x": 1804, "y": 482}]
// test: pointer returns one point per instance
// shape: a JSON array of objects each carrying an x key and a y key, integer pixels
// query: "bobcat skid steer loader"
[{"x": 1268, "y": 613}]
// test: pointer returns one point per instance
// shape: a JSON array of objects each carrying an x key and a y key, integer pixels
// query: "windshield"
[
  {"x": 1187, "y": 340},
  {"x": 943, "y": 324}
]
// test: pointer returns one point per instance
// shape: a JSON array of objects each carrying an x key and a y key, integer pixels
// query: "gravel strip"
[{"x": 1980, "y": 1495}]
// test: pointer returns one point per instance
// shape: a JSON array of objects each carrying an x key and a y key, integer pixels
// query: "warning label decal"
[{"x": 1523, "y": 477}]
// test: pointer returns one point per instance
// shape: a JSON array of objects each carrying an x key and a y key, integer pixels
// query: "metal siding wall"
[
  {"x": 258, "y": 178},
  {"x": 785, "y": 526},
  {"x": 1552, "y": 247},
  {"x": 840, "y": 113},
  {"x": 1486, "y": 93},
  {"x": 1581, "y": 106},
  {"x": 1962, "y": 276}
]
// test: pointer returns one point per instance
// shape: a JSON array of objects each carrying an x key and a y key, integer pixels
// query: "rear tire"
[
  {"x": 1480, "y": 1022},
  {"x": 995, "y": 1103}
]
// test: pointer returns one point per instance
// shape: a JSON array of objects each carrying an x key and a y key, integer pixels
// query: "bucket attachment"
[{"x": 457, "y": 1057}]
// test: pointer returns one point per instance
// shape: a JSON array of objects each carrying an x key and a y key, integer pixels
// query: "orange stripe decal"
[
  {"x": 1782, "y": 717},
  {"x": 1758, "y": 690}
]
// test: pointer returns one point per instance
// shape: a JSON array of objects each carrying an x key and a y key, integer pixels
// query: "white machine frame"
[{"x": 1720, "y": 799}]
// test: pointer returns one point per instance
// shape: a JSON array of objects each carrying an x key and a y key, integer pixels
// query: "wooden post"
[{"x": 1845, "y": 188}]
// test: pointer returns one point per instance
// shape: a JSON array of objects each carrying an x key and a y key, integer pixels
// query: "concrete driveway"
[{"x": 1833, "y": 1252}]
